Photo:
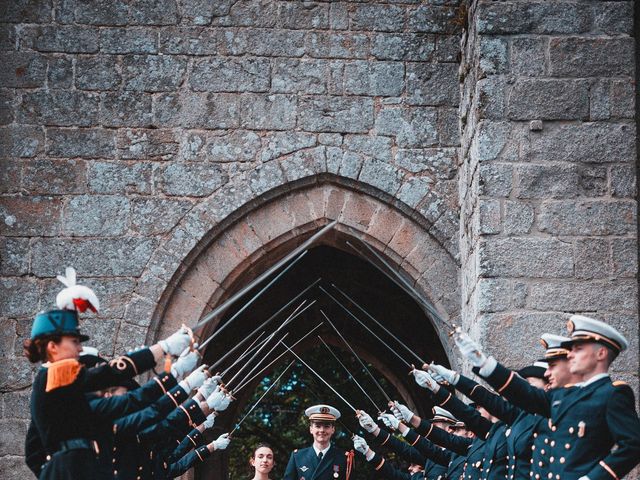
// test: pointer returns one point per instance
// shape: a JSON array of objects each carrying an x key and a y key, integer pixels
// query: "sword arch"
[{"x": 225, "y": 262}]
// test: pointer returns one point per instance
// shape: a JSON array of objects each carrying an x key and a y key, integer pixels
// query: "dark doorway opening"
[{"x": 280, "y": 418}]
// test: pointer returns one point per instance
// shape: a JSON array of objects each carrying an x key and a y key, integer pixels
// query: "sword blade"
[
  {"x": 261, "y": 397},
  {"x": 228, "y": 384},
  {"x": 366, "y": 327},
  {"x": 284, "y": 307},
  {"x": 256, "y": 296},
  {"x": 320, "y": 377},
  {"x": 289, "y": 320},
  {"x": 247, "y": 382},
  {"x": 366, "y": 369},
  {"x": 349, "y": 373},
  {"x": 267, "y": 273},
  {"x": 378, "y": 323},
  {"x": 250, "y": 348},
  {"x": 401, "y": 282}
]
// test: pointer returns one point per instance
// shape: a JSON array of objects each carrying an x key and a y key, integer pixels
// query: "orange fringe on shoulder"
[{"x": 62, "y": 373}]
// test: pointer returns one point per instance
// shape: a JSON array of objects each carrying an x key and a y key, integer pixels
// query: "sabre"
[
  {"x": 322, "y": 379},
  {"x": 255, "y": 297},
  {"x": 378, "y": 323},
  {"x": 244, "y": 354},
  {"x": 292, "y": 318},
  {"x": 357, "y": 357},
  {"x": 247, "y": 382},
  {"x": 404, "y": 285},
  {"x": 313, "y": 284},
  {"x": 219, "y": 361},
  {"x": 256, "y": 366},
  {"x": 255, "y": 354},
  {"x": 261, "y": 397},
  {"x": 366, "y": 327},
  {"x": 349, "y": 373},
  {"x": 266, "y": 274}
]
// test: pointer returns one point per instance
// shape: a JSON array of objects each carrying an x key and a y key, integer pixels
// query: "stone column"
[{"x": 548, "y": 176}]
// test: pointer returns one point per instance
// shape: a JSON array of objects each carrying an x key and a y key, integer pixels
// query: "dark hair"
[
  {"x": 36, "y": 350},
  {"x": 258, "y": 447}
]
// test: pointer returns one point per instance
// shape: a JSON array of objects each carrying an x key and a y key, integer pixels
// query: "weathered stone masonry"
[{"x": 487, "y": 149}]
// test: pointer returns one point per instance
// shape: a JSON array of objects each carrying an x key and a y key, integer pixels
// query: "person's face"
[
  {"x": 69, "y": 347},
  {"x": 414, "y": 468},
  {"x": 485, "y": 414},
  {"x": 584, "y": 357},
  {"x": 462, "y": 432},
  {"x": 443, "y": 425},
  {"x": 322, "y": 431},
  {"x": 262, "y": 460},
  {"x": 537, "y": 382},
  {"x": 115, "y": 392},
  {"x": 558, "y": 373}
]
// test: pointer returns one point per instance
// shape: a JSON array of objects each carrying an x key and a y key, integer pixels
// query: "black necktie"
[{"x": 320, "y": 457}]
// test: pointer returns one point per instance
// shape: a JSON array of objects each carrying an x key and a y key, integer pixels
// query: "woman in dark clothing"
[{"x": 60, "y": 412}]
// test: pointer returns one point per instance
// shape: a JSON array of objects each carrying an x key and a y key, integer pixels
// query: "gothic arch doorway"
[{"x": 261, "y": 237}]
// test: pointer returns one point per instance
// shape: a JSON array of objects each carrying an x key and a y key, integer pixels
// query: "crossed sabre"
[{"x": 297, "y": 252}]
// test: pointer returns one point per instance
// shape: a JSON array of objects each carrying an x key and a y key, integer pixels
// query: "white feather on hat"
[{"x": 76, "y": 297}]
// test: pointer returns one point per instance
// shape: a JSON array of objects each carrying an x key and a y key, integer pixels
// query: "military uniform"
[
  {"x": 461, "y": 450},
  {"x": 416, "y": 450},
  {"x": 304, "y": 463},
  {"x": 62, "y": 415},
  {"x": 584, "y": 421},
  {"x": 388, "y": 471},
  {"x": 521, "y": 425},
  {"x": 488, "y": 462}
]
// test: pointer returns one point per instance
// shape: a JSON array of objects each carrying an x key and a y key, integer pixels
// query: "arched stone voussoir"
[{"x": 264, "y": 205}]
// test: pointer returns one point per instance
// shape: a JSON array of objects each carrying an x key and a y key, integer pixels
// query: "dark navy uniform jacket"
[
  {"x": 304, "y": 464},
  {"x": 522, "y": 425},
  {"x": 487, "y": 457},
  {"x": 419, "y": 451},
  {"x": 388, "y": 471},
  {"x": 584, "y": 422},
  {"x": 460, "y": 449},
  {"x": 63, "y": 413}
]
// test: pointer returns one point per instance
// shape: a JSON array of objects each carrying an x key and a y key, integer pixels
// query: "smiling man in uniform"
[{"x": 322, "y": 460}]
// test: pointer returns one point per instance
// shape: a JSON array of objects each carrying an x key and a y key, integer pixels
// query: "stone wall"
[
  {"x": 548, "y": 181},
  {"x": 133, "y": 133},
  {"x": 130, "y": 130}
]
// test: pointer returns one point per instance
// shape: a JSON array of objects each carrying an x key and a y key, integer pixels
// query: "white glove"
[
  {"x": 176, "y": 343},
  {"x": 360, "y": 445},
  {"x": 218, "y": 400},
  {"x": 442, "y": 374},
  {"x": 425, "y": 381},
  {"x": 211, "y": 419},
  {"x": 367, "y": 422},
  {"x": 389, "y": 420},
  {"x": 209, "y": 386},
  {"x": 186, "y": 362},
  {"x": 470, "y": 349},
  {"x": 195, "y": 379},
  {"x": 401, "y": 412},
  {"x": 221, "y": 442}
]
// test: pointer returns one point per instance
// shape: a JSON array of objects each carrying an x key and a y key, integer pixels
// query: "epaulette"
[
  {"x": 62, "y": 373},
  {"x": 619, "y": 383}
]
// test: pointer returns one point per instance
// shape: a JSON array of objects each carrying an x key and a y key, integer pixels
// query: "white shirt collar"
[
  {"x": 324, "y": 452},
  {"x": 595, "y": 378}
]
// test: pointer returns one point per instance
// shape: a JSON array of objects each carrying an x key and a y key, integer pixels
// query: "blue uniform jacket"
[
  {"x": 584, "y": 422},
  {"x": 303, "y": 465},
  {"x": 519, "y": 434}
]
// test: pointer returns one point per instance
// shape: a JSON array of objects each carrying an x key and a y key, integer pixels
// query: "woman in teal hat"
[{"x": 60, "y": 413}]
